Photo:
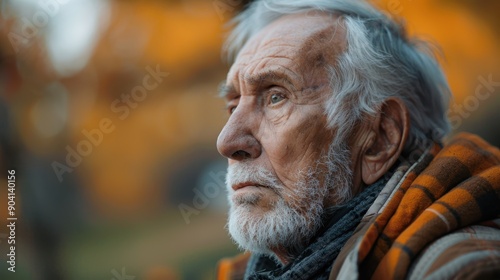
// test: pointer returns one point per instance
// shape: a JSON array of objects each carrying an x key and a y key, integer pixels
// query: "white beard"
[{"x": 289, "y": 224}]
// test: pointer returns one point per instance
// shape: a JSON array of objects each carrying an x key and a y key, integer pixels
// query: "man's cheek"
[
  {"x": 276, "y": 119},
  {"x": 281, "y": 114},
  {"x": 288, "y": 174}
]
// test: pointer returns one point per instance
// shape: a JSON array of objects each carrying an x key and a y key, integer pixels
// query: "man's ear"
[{"x": 389, "y": 133}]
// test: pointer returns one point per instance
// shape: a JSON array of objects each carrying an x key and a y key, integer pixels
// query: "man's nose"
[{"x": 236, "y": 140}]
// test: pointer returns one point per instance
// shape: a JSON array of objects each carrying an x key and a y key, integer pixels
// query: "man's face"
[{"x": 276, "y": 138}]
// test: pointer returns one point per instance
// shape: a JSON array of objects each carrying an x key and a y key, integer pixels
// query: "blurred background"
[{"x": 109, "y": 116}]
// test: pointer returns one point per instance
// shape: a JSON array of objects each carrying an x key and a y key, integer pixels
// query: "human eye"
[
  {"x": 276, "y": 97},
  {"x": 232, "y": 104},
  {"x": 231, "y": 109}
]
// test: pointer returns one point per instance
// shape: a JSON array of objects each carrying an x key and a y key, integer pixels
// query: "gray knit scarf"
[{"x": 316, "y": 260}]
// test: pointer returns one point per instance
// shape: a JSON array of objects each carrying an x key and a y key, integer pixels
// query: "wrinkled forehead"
[{"x": 302, "y": 37}]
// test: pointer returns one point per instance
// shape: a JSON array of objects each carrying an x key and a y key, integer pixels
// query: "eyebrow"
[
  {"x": 226, "y": 90},
  {"x": 269, "y": 77}
]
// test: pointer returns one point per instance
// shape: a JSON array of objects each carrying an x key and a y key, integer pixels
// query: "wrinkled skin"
[{"x": 276, "y": 92}]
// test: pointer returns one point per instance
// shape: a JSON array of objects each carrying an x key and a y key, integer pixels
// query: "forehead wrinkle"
[
  {"x": 274, "y": 68},
  {"x": 304, "y": 55},
  {"x": 275, "y": 47},
  {"x": 267, "y": 52}
]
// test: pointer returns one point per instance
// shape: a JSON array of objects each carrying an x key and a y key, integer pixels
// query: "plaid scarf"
[{"x": 446, "y": 190}]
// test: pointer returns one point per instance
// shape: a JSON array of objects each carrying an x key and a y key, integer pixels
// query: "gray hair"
[{"x": 379, "y": 62}]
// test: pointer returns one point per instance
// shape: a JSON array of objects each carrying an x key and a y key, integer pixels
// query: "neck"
[{"x": 282, "y": 255}]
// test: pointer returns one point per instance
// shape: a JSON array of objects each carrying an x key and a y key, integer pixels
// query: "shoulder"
[{"x": 470, "y": 253}]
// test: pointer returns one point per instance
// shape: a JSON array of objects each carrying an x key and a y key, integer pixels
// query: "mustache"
[{"x": 239, "y": 173}]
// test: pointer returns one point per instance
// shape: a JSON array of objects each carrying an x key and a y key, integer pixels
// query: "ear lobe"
[{"x": 390, "y": 131}]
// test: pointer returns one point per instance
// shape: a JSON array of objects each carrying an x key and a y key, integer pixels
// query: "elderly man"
[{"x": 336, "y": 167}]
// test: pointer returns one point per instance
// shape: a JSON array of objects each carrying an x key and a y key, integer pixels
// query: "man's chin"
[
  {"x": 258, "y": 230},
  {"x": 245, "y": 229}
]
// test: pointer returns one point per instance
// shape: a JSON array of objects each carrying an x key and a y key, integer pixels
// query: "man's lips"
[{"x": 244, "y": 185}]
